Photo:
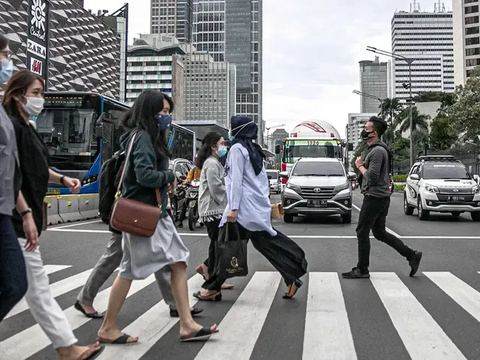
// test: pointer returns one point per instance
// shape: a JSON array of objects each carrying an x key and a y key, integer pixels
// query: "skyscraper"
[
  {"x": 172, "y": 17},
  {"x": 373, "y": 81},
  {"x": 231, "y": 30},
  {"x": 466, "y": 38},
  {"x": 426, "y": 37}
]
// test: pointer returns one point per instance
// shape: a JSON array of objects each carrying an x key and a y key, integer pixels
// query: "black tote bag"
[{"x": 231, "y": 253}]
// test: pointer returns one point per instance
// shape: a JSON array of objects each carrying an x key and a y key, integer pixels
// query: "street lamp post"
[
  {"x": 369, "y": 96},
  {"x": 409, "y": 62}
]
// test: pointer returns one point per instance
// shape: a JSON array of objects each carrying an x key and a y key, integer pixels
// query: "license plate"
[
  {"x": 317, "y": 203},
  {"x": 457, "y": 198}
]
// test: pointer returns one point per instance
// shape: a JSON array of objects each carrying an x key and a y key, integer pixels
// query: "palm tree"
[
  {"x": 419, "y": 121},
  {"x": 390, "y": 109}
]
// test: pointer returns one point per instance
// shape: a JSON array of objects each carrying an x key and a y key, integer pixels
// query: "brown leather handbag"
[{"x": 131, "y": 216}]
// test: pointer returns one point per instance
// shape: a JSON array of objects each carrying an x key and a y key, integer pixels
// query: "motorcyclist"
[{"x": 193, "y": 175}]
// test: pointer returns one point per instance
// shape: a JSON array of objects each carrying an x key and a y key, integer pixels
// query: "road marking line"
[
  {"x": 388, "y": 229},
  {"x": 89, "y": 231},
  {"x": 464, "y": 295},
  {"x": 15, "y": 347},
  {"x": 422, "y": 336},
  {"x": 77, "y": 224},
  {"x": 58, "y": 288},
  {"x": 241, "y": 327},
  {"x": 150, "y": 327},
  {"x": 327, "y": 329},
  {"x": 50, "y": 269}
]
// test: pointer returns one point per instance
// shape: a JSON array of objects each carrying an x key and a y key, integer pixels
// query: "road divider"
[{"x": 69, "y": 208}]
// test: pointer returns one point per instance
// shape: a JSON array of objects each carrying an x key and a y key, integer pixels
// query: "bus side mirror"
[
  {"x": 277, "y": 149},
  {"x": 477, "y": 179},
  {"x": 284, "y": 175}
]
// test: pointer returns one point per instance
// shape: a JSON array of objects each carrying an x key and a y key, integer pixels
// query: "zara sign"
[{"x": 37, "y": 37}]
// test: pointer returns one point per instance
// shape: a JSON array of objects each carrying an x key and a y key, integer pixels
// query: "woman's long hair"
[
  {"x": 17, "y": 87},
  {"x": 143, "y": 112},
  {"x": 210, "y": 140}
]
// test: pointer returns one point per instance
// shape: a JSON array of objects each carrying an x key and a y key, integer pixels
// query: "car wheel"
[
  {"x": 407, "y": 208},
  {"x": 422, "y": 214},
  {"x": 475, "y": 215},
  {"x": 288, "y": 218},
  {"x": 347, "y": 219}
]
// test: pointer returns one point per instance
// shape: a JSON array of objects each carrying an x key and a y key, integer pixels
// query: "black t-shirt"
[{"x": 33, "y": 155}]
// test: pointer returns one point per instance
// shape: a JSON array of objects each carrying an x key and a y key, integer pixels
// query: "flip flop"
[
  {"x": 227, "y": 286},
  {"x": 121, "y": 340},
  {"x": 94, "y": 355},
  {"x": 292, "y": 289},
  {"x": 94, "y": 315},
  {"x": 204, "y": 334}
]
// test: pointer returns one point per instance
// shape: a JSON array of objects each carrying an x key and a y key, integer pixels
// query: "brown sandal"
[{"x": 217, "y": 296}]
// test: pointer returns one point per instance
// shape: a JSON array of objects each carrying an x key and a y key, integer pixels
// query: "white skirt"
[{"x": 143, "y": 257}]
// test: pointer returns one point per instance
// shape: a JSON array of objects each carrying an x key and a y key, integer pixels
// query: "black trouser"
[
  {"x": 281, "y": 251},
  {"x": 13, "y": 275},
  {"x": 213, "y": 230},
  {"x": 373, "y": 216}
]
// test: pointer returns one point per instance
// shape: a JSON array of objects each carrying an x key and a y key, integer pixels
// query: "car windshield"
[
  {"x": 446, "y": 171},
  {"x": 310, "y": 168}
]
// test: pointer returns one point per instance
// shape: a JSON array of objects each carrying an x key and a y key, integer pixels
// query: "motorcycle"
[{"x": 192, "y": 203}]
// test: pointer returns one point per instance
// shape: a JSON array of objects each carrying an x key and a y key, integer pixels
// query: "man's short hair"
[{"x": 379, "y": 125}]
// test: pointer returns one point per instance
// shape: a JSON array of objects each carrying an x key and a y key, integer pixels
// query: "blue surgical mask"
[
  {"x": 238, "y": 129},
  {"x": 6, "y": 71},
  {"x": 163, "y": 121},
  {"x": 230, "y": 136},
  {"x": 222, "y": 151}
]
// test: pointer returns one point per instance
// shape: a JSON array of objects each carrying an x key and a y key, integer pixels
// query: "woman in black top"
[{"x": 24, "y": 98}]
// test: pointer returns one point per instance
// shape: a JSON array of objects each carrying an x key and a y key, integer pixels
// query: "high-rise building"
[
  {"x": 231, "y": 30},
  {"x": 426, "y": 37},
  {"x": 162, "y": 69},
  {"x": 172, "y": 17},
  {"x": 210, "y": 89},
  {"x": 466, "y": 38},
  {"x": 373, "y": 81},
  {"x": 83, "y": 51}
]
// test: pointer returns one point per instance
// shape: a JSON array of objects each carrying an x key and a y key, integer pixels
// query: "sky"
[{"x": 310, "y": 52}]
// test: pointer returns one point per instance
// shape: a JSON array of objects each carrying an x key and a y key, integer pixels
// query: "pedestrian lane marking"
[
  {"x": 15, "y": 346},
  {"x": 58, "y": 288},
  {"x": 150, "y": 327},
  {"x": 327, "y": 333},
  {"x": 244, "y": 321},
  {"x": 464, "y": 295},
  {"x": 51, "y": 269},
  {"x": 327, "y": 329},
  {"x": 422, "y": 336}
]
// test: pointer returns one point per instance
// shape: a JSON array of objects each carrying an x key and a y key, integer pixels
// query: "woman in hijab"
[{"x": 247, "y": 189}]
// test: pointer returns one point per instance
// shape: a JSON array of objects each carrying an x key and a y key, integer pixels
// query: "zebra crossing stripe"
[
  {"x": 243, "y": 323},
  {"x": 150, "y": 327},
  {"x": 16, "y": 347},
  {"x": 464, "y": 295},
  {"x": 50, "y": 269},
  {"x": 327, "y": 329},
  {"x": 58, "y": 288},
  {"x": 422, "y": 336}
]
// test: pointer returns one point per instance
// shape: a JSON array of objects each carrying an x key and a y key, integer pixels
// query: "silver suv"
[{"x": 317, "y": 187}]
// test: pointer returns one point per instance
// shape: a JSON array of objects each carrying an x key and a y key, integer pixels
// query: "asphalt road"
[{"x": 435, "y": 315}]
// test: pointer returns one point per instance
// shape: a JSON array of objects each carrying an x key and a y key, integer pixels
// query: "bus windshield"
[
  {"x": 296, "y": 149},
  {"x": 70, "y": 137}
]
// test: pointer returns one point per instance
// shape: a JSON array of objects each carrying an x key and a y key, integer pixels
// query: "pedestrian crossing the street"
[{"x": 328, "y": 308}]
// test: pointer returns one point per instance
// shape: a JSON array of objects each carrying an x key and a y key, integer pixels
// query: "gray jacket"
[
  {"x": 212, "y": 197},
  {"x": 10, "y": 176},
  {"x": 376, "y": 179}
]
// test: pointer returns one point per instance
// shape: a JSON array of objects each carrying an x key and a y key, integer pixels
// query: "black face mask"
[{"x": 366, "y": 134}]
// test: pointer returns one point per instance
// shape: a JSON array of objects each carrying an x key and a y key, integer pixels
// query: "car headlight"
[
  {"x": 431, "y": 188},
  {"x": 342, "y": 187},
  {"x": 476, "y": 189},
  {"x": 293, "y": 187}
]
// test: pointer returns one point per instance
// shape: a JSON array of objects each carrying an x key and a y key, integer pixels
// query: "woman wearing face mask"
[
  {"x": 146, "y": 170},
  {"x": 247, "y": 192},
  {"x": 13, "y": 275},
  {"x": 212, "y": 201},
  {"x": 24, "y": 98}
]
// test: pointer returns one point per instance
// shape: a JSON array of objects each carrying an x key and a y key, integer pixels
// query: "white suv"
[{"x": 441, "y": 184}]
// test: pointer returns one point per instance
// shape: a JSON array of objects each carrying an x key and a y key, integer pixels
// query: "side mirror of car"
[{"x": 414, "y": 177}]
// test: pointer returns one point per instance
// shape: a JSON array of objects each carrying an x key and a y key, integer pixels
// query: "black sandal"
[
  {"x": 204, "y": 334},
  {"x": 292, "y": 289},
  {"x": 121, "y": 340},
  {"x": 94, "y": 315}
]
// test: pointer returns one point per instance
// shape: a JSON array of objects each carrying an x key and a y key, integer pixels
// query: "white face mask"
[{"x": 34, "y": 105}]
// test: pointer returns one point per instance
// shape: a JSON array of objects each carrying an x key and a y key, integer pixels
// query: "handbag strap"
[{"x": 119, "y": 188}]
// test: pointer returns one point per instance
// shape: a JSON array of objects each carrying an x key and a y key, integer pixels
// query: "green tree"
[
  {"x": 465, "y": 113},
  {"x": 442, "y": 134},
  {"x": 419, "y": 121},
  {"x": 390, "y": 109}
]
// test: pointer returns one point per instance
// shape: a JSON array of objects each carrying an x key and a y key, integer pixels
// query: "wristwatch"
[
  {"x": 62, "y": 178},
  {"x": 28, "y": 211}
]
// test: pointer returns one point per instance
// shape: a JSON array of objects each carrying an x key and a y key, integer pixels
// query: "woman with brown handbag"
[{"x": 144, "y": 256}]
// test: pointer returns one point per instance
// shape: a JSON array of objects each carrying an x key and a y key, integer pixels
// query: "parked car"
[
  {"x": 318, "y": 186},
  {"x": 275, "y": 181},
  {"x": 441, "y": 184}
]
